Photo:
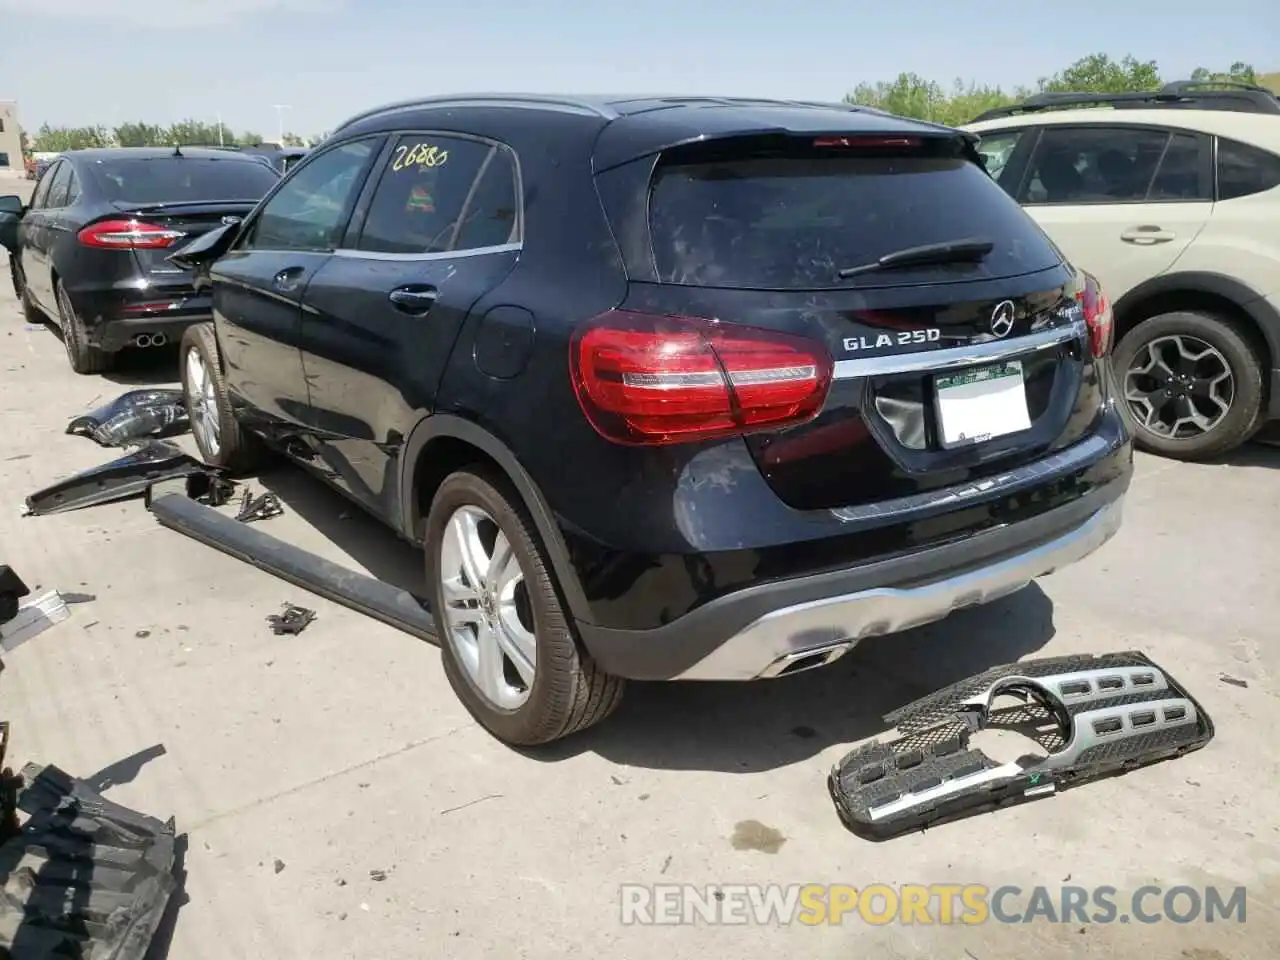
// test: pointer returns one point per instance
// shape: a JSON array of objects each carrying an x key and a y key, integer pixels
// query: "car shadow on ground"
[
  {"x": 155, "y": 366},
  {"x": 137, "y": 368},
  {"x": 1264, "y": 451},
  {"x": 729, "y": 727},
  {"x": 367, "y": 541},
  {"x": 758, "y": 726}
]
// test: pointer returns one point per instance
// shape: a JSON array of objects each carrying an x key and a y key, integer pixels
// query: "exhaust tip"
[
  {"x": 142, "y": 340},
  {"x": 801, "y": 660},
  {"x": 159, "y": 339}
]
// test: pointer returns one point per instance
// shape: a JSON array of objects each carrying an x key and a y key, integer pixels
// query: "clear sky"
[{"x": 108, "y": 61}]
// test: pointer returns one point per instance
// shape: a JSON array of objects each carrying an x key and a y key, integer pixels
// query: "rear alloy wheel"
[
  {"x": 84, "y": 356},
  {"x": 218, "y": 434},
  {"x": 509, "y": 650},
  {"x": 1192, "y": 385}
]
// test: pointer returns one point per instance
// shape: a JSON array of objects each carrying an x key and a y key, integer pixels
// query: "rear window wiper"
[{"x": 953, "y": 251}]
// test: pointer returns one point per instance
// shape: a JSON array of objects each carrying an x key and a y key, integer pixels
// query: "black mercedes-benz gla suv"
[{"x": 667, "y": 388}]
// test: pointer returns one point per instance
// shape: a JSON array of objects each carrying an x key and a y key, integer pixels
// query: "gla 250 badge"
[{"x": 901, "y": 338}]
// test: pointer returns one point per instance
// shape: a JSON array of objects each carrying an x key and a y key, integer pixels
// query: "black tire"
[
  {"x": 569, "y": 692},
  {"x": 30, "y": 312},
  {"x": 238, "y": 451},
  {"x": 1244, "y": 413},
  {"x": 84, "y": 356}
]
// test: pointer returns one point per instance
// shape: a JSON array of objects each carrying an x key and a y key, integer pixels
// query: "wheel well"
[
  {"x": 440, "y": 457},
  {"x": 1198, "y": 301},
  {"x": 1195, "y": 301}
]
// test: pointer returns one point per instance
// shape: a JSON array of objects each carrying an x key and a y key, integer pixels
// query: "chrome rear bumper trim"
[
  {"x": 792, "y": 633},
  {"x": 952, "y": 358}
]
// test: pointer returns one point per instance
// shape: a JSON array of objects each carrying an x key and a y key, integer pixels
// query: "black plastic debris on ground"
[
  {"x": 126, "y": 476},
  {"x": 1094, "y": 717},
  {"x": 291, "y": 620},
  {"x": 12, "y": 590},
  {"x": 210, "y": 488},
  {"x": 134, "y": 416},
  {"x": 258, "y": 508},
  {"x": 84, "y": 878}
]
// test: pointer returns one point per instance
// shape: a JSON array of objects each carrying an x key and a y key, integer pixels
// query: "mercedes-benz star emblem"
[{"x": 1002, "y": 319}]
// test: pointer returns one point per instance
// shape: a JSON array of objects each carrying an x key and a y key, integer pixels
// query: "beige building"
[{"x": 10, "y": 140}]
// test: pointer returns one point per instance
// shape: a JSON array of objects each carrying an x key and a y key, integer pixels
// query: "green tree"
[
  {"x": 911, "y": 95},
  {"x": 249, "y": 139},
  {"x": 141, "y": 135},
  {"x": 1098, "y": 73},
  {"x": 199, "y": 133},
  {"x": 1239, "y": 72},
  {"x": 293, "y": 140},
  {"x": 58, "y": 139}
]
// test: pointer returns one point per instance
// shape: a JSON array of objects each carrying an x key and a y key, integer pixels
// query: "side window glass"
[
  {"x": 41, "y": 193},
  {"x": 309, "y": 211},
  {"x": 58, "y": 189},
  {"x": 1094, "y": 164},
  {"x": 73, "y": 190},
  {"x": 996, "y": 148},
  {"x": 491, "y": 217},
  {"x": 1179, "y": 175},
  {"x": 421, "y": 195},
  {"x": 1244, "y": 170}
]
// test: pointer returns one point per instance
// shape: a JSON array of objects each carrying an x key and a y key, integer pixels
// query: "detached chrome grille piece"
[{"x": 1095, "y": 715}]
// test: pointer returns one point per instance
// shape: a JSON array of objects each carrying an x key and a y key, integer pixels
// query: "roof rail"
[
  {"x": 495, "y": 99},
  {"x": 1180, "y": 94}
]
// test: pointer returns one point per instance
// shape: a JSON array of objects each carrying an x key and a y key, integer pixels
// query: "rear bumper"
[
  {"x": 115, "y": 314},
  {"x": 779, "y": 628},
  {"x": 116, "y": 334}
]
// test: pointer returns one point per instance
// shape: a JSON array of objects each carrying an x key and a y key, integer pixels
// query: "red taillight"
[
  {"x": 648, "y": 380},
  {"x": 855, "y": 142},
  {"x": 1097, "y": 316},
  {"x": 127, "y": 235}
]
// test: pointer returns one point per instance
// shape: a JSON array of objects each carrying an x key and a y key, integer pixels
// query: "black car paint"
[
  {"x": 384, "y": 405},
  {"x": 107, "y": 288}
]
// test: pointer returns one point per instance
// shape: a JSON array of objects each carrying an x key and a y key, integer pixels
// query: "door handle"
[
  {"x": 1147, "y": 235},
  {"x": 415, "y": 301},
  {"x": 286, "y": 281}
]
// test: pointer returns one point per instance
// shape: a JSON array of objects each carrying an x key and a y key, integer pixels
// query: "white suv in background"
[{"x": 1172, "y": 200}]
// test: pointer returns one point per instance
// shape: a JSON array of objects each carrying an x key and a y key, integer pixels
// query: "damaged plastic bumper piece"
[
  {"x": 1097, "y": 716},
  {"x": 126, "y": 476},
  {"x": 85, "y": 877},
  {"x": 133, "y": 416}
]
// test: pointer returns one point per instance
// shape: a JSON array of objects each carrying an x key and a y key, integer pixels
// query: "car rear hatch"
[
  {"x": 163, "y": 201},
  {"x": 157, "y": 229},
  {"x": 941, "y": 332}
]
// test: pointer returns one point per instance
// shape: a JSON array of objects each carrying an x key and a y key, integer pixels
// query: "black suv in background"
[
  {"x": 685, "y": 388},
  {"x": 90, "y": 249}
]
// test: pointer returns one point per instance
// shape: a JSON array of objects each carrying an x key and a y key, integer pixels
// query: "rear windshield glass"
[
  {"x": 794, "y": 222},
  {"x": 178, "y": 179}
]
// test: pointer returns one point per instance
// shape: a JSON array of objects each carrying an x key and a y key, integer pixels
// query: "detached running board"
[
  {"x": 374, "y": 598},
  {"x": 1098, "y": 716}
]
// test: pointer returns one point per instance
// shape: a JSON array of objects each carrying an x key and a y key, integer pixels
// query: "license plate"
[{"x": 981, "y": 403}]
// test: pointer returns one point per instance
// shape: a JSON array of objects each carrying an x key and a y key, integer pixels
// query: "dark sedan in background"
[{"x": 89, "y": 250}]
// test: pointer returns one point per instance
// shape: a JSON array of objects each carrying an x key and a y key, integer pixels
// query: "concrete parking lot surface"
[{"x": 340, "y": 802}]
